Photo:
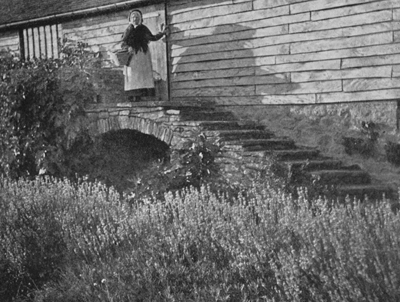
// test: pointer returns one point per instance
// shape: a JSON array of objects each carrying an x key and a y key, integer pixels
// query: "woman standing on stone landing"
[{"x": 138, "y": 72}]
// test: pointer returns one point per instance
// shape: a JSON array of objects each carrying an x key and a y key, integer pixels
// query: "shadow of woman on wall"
[{"x": 225, "y": 64}]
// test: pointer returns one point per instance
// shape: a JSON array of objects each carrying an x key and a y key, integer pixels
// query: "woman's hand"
[
  {"x": 164, "y": 29},
  {"x": 130, "y": 49}
]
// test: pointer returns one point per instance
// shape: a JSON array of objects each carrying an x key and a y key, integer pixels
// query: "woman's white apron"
[{"x": 139, "y": 73}]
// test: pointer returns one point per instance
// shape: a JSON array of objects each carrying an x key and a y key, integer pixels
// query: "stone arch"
[{"x": 143, "y": 125}]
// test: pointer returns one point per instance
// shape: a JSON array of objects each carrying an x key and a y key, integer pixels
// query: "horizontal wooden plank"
[
  {"x": 300, "y": 88},
  {"x": 323, "y": 4},
  {"x": 211, "y": 48},
  {"x": 232, "y": 101},
  {"x": 271, "y": 50},
  {"x": 9, "y": 42},
  {"x": 215, "y": 91},
  {"x": 97, "y": 40},
  {"x": 370, "y": 84},
  {"x": 396, "y": 71},
  {"x": 292, "y": 38},
  {"x": 338, "y": 43},
  {"x": 367, "y": 18},
  {"x": 12, "y": 48},
  {"x": 223, "y": 64},
  {"x": 207, "y": 12},
  {"x": 371, "y": 61},
  {"x": 396, "y": 36},
  {"x": 178, "y": 35},
  {"x": 256, "y": 100},
  {"x": 396, "y": 14},
  {"x": 212, "y": 74},
  {"x": 341, "y": 53},
  {"x": 366, "y": 72},
  {"x": 351, "y": 10},
  {"x": 260, "y": 4},
  {"x": 293, "y": 67},
  {"x": 325, "y": 35},
  {"x": 179, "y": 7},
  {"x": 232, "y": 19},
  {"x": 245, "y": 53},
  {"x": 97, "y": 32},
  {"x": 234, "y": 81},
  {"x": 238, "y": 33},
  {"x": 288, "y": 99},
  {"x": 373, "y": 95}
]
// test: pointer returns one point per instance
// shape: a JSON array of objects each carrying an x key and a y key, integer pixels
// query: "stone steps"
[
  {"x": 313, "y": 164},
  {"x": 248, "y": 144},
  {"x": 260, "y": 144},
  {"x": 206, "y": 115},
  {"x": 218, "y": 125},
  {"x": 342, "y": 177},
  {"x": 232, "y": 135}
]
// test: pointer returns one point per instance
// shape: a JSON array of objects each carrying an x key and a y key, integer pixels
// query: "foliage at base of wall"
[
  {"x": 65, "y": 242},
  {"x": 41, "y": 109}
]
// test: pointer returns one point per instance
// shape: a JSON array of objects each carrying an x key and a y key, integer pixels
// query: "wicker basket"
[{"x": 120, "y": 57}]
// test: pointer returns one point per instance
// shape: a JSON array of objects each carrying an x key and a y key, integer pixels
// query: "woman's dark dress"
[{"x": 139, "y": 71}]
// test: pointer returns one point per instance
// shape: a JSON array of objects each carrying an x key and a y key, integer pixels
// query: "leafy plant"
[
  {"x": 393, "y": 153},
  {"x": 364, "y": 145},
  {"x": 41, "y": 110},
  {"x": 192, "y": 166}
]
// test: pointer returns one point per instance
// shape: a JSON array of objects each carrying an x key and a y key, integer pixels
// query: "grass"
[{"x": 61, "y": 241}]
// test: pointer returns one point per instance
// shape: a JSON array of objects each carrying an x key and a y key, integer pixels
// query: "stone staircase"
[{"x": 298, "y": 165}]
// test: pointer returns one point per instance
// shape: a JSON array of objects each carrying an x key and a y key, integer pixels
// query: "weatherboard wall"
[
  {"x": 9, "y": 41},
  {"x": 103, "y": 33},
  {"x": 285, "y": 51}
]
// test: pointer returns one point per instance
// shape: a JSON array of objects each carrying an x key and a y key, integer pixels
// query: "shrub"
[
  {"x": 393, "y": 153},
  {"x": 41, "y": 110},
  {"x": 192, "y": 166},
  {"x": 194, "y": 246}
]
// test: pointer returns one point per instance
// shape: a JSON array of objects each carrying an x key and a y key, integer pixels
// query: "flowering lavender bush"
[{"x": 65, "y": 242}]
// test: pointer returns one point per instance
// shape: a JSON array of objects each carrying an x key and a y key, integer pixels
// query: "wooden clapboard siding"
[
  {"x": 178, "y": 7},
  {"x": 214, "y": 91},
  {"x": 248, "y": 16},
  {"x": 259, "y": 4},
  {"x": 208, "y": 32},
  {"x": 356, "y": 52},
  {"x": 354, "y": 73},
  {"x": 104, "y": 33},
  {"x": 351, "y": 10},
  {"x": 9, "y": 41},
  {"x": 244, "y": 53},
  {"x": 396, "y": 71},
  {"x": 323, "y": 5},
  {"x": 215, "y": 11},
  {"x": 367, "y": 18},
  {"x": 285, "y": 51}
]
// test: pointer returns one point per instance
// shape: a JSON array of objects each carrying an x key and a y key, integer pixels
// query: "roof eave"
[{"x": 75, "y": 14}]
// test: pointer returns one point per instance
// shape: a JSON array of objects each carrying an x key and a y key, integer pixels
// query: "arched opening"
[{"x": 116, "y": 158}]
